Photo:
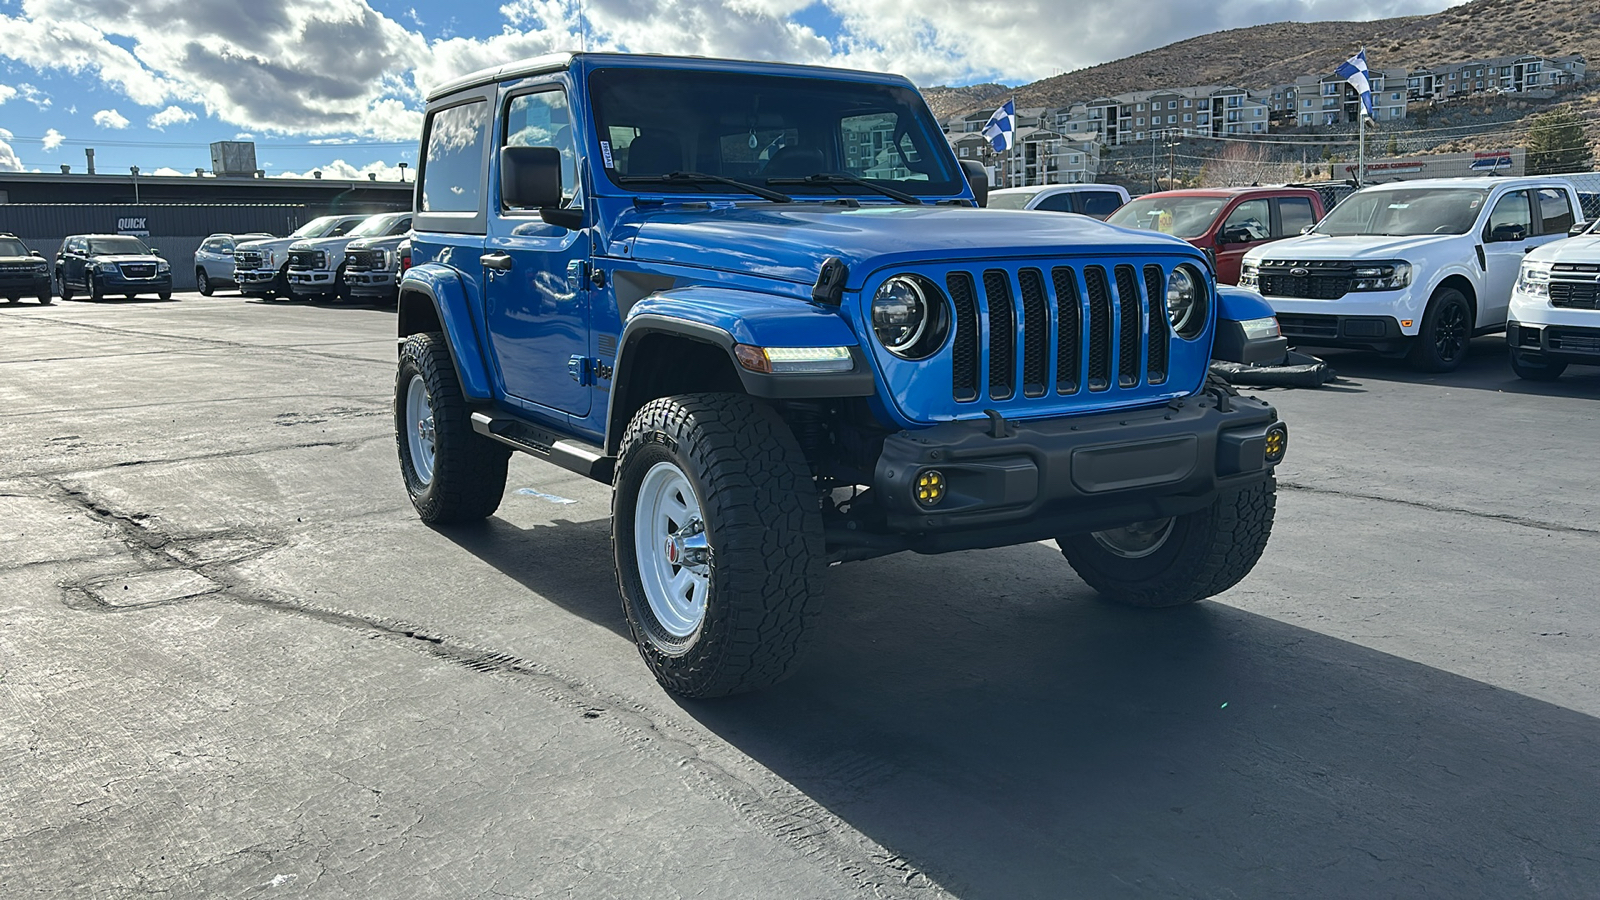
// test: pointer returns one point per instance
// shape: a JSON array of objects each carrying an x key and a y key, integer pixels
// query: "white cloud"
[
  {"x": 343, "y": 171},
  {"x": 9, "y": 161},
  {"x": 110, "y": 118},
  {"x": 7, "y": 92},
  {"x": 169, "y": 171},
  {"x": 53, "y": 139},
  {"x": 172, "y": 115},
  {"x": 244, "y": 136}
]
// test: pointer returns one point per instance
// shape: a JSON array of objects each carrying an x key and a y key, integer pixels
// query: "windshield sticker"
[
  {"x": 1399, "y": 206},
  {"x": 605, "y": 153}
]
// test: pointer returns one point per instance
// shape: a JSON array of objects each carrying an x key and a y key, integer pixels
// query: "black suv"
[
  {"x": 102, "y": 264},
  {"x": 23, "y": 272}
]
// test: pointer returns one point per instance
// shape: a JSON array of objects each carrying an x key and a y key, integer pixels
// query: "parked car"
[
  {"x": 261, "y": 268},
  {"x": 373, "y": 266},
  {"x": 23, "y": 272},
  {"x": 1225, "y": 222},
  {"x": 1413, "y": 267},
  {"x": 1554, "y": 320},
  {"x": 213, "y": 260},
  {"x": 786, "y": 353},
  {"x": 101, "y": 264},
  {"x": 317, "y": 265},
  {"x": 1094, "y": 200}
]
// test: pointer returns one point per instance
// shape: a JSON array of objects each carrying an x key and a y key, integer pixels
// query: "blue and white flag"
[
  {"x": 1001, "y": 128},
  {"x": 1354, "y": 72}
]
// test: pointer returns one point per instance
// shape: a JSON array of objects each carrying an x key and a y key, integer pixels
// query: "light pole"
[
  {"x": 402, "y": 172},
  {"x": 135, "y": 171}
]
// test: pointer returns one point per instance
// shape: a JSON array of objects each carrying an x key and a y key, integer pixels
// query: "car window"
[
  {"x": 1056, "y": 203},
  {"x": 401, "y": 227},
  {"x": 1011, "y": 199},
  {"x": 1512, "y": 210},
  {"x": 1404, "y": 211},
  {"x": 1185, "y": 217},
  {"x": 452, "y": 176},
  {"x": 107, "y": 246},
  {"x": 12, "y": 247},
  {"x": 1294, "y": 215},
  {"x": 543, "y": 120},
  {"x": 1099, "y": 203},
  {"x": 1555, "y": 210},
  {"x": 344, "y": 228},
  {"x": 1251, "y": 217}
]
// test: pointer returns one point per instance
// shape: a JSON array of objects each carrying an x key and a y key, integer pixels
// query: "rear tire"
[
  {"x": 1441, "y": 343},
  {"x": 717, "y": 534},
  {"x": 452, "y": 473},
  {"x": 1170, "y": 562},
  {"x": 1536, "y": 370},
  {"x": 202, "y": 282}
]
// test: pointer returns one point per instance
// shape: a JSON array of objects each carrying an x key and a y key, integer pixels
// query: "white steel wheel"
[
  {"x": 1135, "y": 541},
  {"x": 420, "y": 428},
  {"x": 672, "y": 550}
]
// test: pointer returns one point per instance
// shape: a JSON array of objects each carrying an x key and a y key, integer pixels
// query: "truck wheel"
[
  {"x": 1441, "y": 344},
  {"x": 96, "y": 292},
  {"x": 44, "y": 298},
  {"x": 1173, "y": 561},
  {"x": 66, "y": 292},
  {"x": 452, "y": 473},
  {"x": 280, "y": 285},
  {"x": 717, "y": 534},
  {"x": 202, "y": 282},
  {"x": 341, "y": 291},
  {"x": 1533, "y": 368}
]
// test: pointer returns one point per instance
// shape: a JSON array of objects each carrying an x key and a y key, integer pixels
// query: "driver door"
[
  {"x": 1507, "y": 237},
  {"x": 1252, "y": 220}
]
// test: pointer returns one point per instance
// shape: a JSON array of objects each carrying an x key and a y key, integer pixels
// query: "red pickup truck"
[{"x": 1225, "y": 222}]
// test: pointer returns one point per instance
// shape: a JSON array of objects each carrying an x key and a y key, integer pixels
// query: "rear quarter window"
[{"x": 452, "y": 175}]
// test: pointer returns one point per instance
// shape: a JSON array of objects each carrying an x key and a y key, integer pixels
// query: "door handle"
[{"x": 497, "y": 261}]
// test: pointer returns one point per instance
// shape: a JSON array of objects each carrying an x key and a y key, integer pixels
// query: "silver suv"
[{"x": 213, "y": 262}]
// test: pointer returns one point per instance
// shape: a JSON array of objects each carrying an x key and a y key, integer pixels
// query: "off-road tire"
[
  {"x": 202, "y": 282},
  {"x": 66, "y": 291},
  {"x": 469, "y": 470},
  {"x": 1447, "y": 321},
  {"x": 1548, "y": 370},
  {"x": 764, "y": 525},
  {"x": 1206, "y": 553}
]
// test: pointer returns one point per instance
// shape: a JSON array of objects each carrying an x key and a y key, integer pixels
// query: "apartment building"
[
  {"x": 1505, "y": 74},
  {"x": 1314, "y": 100},
  {"x": 1041, "y": 156}
]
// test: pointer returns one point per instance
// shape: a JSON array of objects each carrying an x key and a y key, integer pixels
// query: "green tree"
[{"x": 1557, "y": 144}]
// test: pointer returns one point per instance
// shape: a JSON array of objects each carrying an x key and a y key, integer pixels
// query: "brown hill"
[{"x": 1256, "y": 57}]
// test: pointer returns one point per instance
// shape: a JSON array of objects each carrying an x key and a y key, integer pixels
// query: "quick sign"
[{"x": 138, "y": 226}]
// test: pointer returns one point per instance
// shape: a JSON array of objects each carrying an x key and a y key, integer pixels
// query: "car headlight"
[
  {"x": 1250, "y": 275},
  {"x": 909, "y": 317},
  {"x": 1534, "y": 280},
  {"x": 163, "y": 268},
  {"x": 1186, "y": 301},
  {"x": 1389, "y": 276},
  {"x": 1261, "y": 329}
]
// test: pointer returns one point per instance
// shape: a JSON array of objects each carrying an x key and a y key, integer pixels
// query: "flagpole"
[{"x": 1361, "y": 149}]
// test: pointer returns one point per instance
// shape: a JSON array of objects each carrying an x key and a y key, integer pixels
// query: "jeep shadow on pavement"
[{"x": 761, "y": 302}]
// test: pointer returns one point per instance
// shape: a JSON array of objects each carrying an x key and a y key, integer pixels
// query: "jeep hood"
[
  {"x": 1584, "y": 249},
  {"x": 791, "y": 241},
  {"x": 1353, "y": 247}
]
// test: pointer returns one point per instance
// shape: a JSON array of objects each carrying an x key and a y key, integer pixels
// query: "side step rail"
[{"x": 576, "y": 456}]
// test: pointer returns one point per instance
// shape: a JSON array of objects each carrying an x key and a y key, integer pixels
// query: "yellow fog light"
[
  {"x": 930, "y": 487},
  {"x": 1277, "y": 443}
]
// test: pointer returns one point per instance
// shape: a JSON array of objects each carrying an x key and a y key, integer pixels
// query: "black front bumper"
[
  {"x": 24, "y": 286},
  {"x": 1013, "y": 482},
  {"x": 1363, "y": 332},
  {"x": 1559, "y": 343}
]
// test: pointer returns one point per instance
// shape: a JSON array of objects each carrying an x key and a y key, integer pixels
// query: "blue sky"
[{"x": 337, "y": 84}]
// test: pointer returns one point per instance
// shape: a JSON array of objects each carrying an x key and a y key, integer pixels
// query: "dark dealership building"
[{"x": 175, "y": 214}]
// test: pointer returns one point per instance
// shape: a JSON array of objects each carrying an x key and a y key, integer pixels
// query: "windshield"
[
  {"x": 377, "y": 226},
  {"x": 1405, "y": 211},
  {"x": 1008, "y": 200},
  {"x": 318, "y": 227},
  {"x": 1185, "y": 217},
  {"x": 766, "y": 130},
  {"x": 113, "y": 246},
  {"x": 12, "y": 247}
]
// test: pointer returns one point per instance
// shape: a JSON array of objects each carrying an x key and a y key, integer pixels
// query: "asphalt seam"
[{"x": 1522, "y": 521}]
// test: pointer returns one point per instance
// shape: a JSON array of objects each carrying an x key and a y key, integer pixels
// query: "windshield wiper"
[
  {"x": 706, "y": 178},
  {"x": 836, "y": 178}
]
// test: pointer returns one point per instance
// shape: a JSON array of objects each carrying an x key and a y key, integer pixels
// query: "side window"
[
  {"x": 1513, "y": 211},
  {"x": 452, "y": 166},
  {"x": 874, "y": 147},
  {"x": 1056, "y": 203},
  {"x": 1099, "y": 203},
  {"x": 1295, "y": 215},
  {"x": 543, "y": 120},
  {"x": 401, "y": 227},
  {"x": 1555, "y": 210},
  {"x": 343, "y": 227},
  {"x": 1250, "y": 217}
]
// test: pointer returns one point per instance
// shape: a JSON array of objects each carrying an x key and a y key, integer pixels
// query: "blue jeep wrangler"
[{"x": 761, "y": 301}]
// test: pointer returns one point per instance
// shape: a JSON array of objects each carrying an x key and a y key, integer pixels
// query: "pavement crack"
[{"x": 1522, "y": 521}]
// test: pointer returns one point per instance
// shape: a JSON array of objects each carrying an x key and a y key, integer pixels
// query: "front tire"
[
  {"x": 202, "y": 282},
  {"x": 452, "y": 473},
  {"x": 45, "y": 299},
  {"x": 1170, "y": 562},
  {"x": 96, "y": 292},
  {"x": 717, "y": 534},
  {"x": 1532, "y": 369},
  {"x": 1441, "y": 343},
  {"x": 66, "y": 291}
]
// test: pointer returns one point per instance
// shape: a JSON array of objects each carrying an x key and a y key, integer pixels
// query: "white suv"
[
  {"x": 1414, "y": 267},
  {"x": 1555, "y": 310}
]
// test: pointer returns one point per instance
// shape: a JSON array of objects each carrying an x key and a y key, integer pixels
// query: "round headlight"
[
  {"x": 1186, "y": 301},
  {"x": 900, "y": 313}
]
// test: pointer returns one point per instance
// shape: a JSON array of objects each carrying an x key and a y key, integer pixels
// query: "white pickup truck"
[
  {"x": 1414, "y": 267},
  {"x": 1555, "y": 311},
  {"x": 261, "y": 268},
  {"x": 317, "y": 265}
]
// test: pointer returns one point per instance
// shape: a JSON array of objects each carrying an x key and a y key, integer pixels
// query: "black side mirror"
[
  {"x": 530, "y": 178},
  {"x": 1236, "y": 236},
  {"x": 978, "y": 178},
  {"x": 1508, "y": 233},
  {"x": 36, "y": 254},
  {"x": 154, "y": 251},
  {"x": 1578, "y": 229}
]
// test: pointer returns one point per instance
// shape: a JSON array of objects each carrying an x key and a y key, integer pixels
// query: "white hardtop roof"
[{"x": 1485, "y": 182}]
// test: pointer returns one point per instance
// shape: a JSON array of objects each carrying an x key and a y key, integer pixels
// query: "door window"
[
  {"x": 452, "y": 168},
  {"x": 1099, "y": 203},
  {"x": 1555, "y": 210},
  {"x": 1250, "y": 218},
  {"x": 544, "y": 120},
  {"x": 1056, "y": 203},
  {"x": 1512, "y": 212},
  {"x": 1295, "y": 215}
]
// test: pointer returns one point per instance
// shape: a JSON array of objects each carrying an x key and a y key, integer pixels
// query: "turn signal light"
[
  {"x": 930, "y": 487},
  {"x": 1277, "y": 443}
]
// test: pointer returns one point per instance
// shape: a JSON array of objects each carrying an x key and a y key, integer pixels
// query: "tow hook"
[{"x": 998, "y": 426}]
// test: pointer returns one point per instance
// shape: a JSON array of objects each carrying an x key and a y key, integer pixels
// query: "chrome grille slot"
[
  {"x": 1155, "y": 288},
  {"x": 1035, "y": 333},
  {"x": 1127, "y": 327},
  {"x": 964, "y": 349},
  {"x": 1069, "y": 316},
  {"x": 1099, "y": 330},
  {"x": 1002, "y": 333}
]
